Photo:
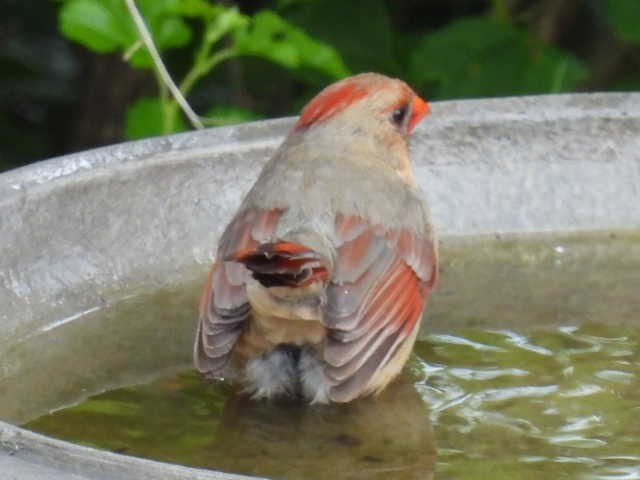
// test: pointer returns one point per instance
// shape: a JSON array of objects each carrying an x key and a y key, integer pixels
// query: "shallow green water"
[
  {"x": 529, "y": 367},
  {"x": 554, "y": 403}
]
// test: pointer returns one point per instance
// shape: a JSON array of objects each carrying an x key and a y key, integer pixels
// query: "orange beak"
[{"x": 419, "y": 110}]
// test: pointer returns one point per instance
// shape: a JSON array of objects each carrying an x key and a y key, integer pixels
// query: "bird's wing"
[
  {"x": 375, "y": 301},
  {"x": 224, "y": 305}
]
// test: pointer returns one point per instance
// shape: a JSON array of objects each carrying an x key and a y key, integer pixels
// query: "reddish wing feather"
[
  {"x": 224, "y": 305},
  {"x": 375, "y": 302},
  {"x": 406, "y": 310},
  {"x": 280, "y": 264}
]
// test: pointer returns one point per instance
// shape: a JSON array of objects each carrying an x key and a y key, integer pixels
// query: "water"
[
  {"x": 553, "y": 403},
  {"x": 528, "y": 366}
]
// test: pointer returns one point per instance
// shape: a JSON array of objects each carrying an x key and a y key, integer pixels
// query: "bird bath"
[{"x": 536, "y": 200}]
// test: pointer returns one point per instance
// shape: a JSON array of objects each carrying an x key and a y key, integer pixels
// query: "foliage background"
[{"x": 64, "y": 85}]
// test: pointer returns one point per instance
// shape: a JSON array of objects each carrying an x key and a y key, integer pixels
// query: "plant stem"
[
  {"x": 165, "y": 105},
  {"x": 159, "y": 65},
  {"x": 201, "y": 67}
]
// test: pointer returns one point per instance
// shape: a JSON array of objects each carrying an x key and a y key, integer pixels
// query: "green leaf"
[
  {"x": 271, "y": 37},
  {"x": 145, "y": 118},
  {"x": 332, "y": 21},
  {"x": 197, "y": 9},
  {"x": 229, "y": 115},
  {"x": 477, "y": 57},
  {"x": 222, "y": 24},
  {"x": 624, "y": 18},
  {"x": 102, "y": 26},
  {"x": 106, "y": 26},
  {"x": 171, "y": 33}
]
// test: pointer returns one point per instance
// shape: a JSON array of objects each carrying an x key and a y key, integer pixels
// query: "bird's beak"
[{"x": 419, "y": 108}]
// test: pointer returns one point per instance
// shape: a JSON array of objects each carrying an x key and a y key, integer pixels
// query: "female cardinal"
[{"x": 322, "y": 275}]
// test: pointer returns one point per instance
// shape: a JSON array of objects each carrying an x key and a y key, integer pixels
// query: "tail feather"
[{"x": 283, "y": 264}]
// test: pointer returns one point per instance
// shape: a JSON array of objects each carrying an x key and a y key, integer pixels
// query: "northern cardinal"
[{"x": 323, "y": 273}]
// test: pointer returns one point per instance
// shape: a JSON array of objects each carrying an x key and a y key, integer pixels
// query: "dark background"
[{"x": 56, "y": 96}]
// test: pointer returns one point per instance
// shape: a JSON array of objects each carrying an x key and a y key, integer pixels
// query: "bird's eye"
[{"x": 399, "y": 115}]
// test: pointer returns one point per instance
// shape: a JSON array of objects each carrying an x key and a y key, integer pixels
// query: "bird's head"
[{"x": 367, "y": 114}]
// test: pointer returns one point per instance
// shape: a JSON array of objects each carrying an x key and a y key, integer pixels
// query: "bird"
[{"x": 321, "y": 277}]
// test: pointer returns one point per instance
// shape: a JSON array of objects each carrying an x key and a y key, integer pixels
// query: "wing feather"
[
  {"x": 224, "y": 305},
  {"x": 358, "y": 255},
  {"x": 374, "y": 304}
]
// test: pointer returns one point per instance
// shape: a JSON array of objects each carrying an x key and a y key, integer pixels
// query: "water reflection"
[
  {"x": 184, "y": 419},
  {"x": 386, "y": 437}
]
